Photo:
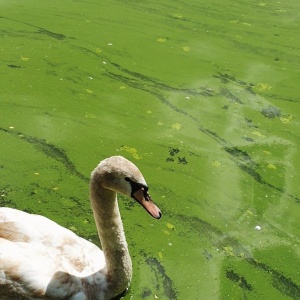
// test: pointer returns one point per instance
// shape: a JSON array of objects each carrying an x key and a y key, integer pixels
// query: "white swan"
[{"x": 41, "y": 260}]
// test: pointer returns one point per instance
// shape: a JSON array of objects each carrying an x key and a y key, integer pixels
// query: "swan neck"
[{"x": 111, "y": 234}]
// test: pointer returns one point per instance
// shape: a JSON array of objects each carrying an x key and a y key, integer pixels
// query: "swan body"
[{"x": 39, "y": 259}]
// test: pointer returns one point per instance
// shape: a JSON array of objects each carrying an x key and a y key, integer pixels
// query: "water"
[{"x": 203, "y": 97}]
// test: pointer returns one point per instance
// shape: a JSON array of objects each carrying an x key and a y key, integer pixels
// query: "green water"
[{"x": 202, "y": 96}]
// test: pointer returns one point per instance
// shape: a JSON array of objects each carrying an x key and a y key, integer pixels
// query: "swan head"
[{"x": 120, "y": 175}]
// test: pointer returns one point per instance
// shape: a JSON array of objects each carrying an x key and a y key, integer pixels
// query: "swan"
[{"x": 39, "y": 259}]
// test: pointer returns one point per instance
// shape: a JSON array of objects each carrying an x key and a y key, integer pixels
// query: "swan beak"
[{"x": 144, "y": 199}]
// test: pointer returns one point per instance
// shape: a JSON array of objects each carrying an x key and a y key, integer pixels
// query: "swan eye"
[
  {"x": 146, "y": 195},
  {"x": 135, "y": 186}
]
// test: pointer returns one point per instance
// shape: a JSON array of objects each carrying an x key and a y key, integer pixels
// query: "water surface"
[{"x": 202, "y": 96}]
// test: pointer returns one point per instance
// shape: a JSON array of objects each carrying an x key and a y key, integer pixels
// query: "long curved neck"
[{"x": 110, "y": 229}]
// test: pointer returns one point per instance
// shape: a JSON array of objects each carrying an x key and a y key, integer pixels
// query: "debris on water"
[
  {"x": 262, "y": 87},
  {"x": 176, "y": 126},
  {"x": 266, "y": 152},
  {"x": 207, "y": 255},
  {"x": 257, "y": 133},
  {"x": 169, "y": 159},
  {"x": 182, "y": 160},
  {"x": 14, "y": 66},
  {"x": 248, "y": 139},
  {"x": 173, "y": 151},
  {"x": 130, "y": 150},
  {"x": 286, "y": 120},
  {"x": 160, "y": 255},
  {"x": 170, "y": 226},
  {"x": 177, "y": 16},
  {"x": 216, "y": 164},
  {"x": 271, "y": 166},
  {"x": 271, "y": 112},
  {"x": 161, "y": 40}
]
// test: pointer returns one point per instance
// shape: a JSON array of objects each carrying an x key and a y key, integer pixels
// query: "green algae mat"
[{"x": 202, "y": 96}]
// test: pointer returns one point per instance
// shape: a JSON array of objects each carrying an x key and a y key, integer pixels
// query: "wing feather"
[{"x": 9, "y": 231}]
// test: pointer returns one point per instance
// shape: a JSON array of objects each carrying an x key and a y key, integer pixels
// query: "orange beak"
[{"x": 143, "y": 198}]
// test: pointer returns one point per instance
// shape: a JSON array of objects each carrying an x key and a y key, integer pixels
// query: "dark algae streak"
[{"x": 48, "y": 150}]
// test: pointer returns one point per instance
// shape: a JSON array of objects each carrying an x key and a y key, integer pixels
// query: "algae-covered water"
[{"x": 202, "y": 95}]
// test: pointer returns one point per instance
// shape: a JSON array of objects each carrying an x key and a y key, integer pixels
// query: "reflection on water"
[{"x": 203, "y": 97}]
